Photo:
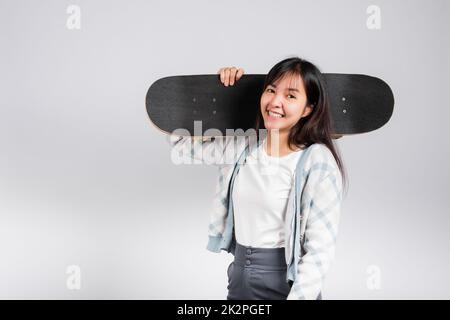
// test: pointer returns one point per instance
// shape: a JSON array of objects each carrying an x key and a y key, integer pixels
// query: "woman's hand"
[{"x": 229, "y": 75}]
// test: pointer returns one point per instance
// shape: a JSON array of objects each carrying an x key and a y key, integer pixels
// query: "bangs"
[{"x": 293, "y": 75}]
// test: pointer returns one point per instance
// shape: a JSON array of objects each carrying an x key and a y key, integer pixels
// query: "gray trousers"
[{"x": 258, "y": 274}]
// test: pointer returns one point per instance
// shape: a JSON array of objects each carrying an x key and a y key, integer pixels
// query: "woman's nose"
[{"x": 276, "y": 101}]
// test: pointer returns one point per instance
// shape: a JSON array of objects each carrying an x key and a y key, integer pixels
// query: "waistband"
[{"x": 260, "y": 258}]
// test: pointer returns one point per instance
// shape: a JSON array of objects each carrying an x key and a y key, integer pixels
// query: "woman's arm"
[
  {"x": 197, "y": 150},
  {"x": 320, "y": 237}
]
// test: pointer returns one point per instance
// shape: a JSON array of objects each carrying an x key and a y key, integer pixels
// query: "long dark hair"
[{"x": 317, "y": 127}]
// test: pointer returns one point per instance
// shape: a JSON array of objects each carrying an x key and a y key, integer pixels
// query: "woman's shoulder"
[{"x": 321, "y": 158}]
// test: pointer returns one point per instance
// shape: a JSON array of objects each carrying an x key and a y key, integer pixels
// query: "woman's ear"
[{"x": 308, "y": 109}]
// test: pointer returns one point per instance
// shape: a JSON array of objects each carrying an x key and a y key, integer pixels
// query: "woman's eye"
[{"x": 289, "y": 96}]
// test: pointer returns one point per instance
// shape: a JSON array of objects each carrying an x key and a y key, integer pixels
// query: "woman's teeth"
[{"x": 276, "y": 115}]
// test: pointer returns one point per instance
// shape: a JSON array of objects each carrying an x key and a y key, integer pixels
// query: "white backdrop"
[{"x": 87, "y": 181}]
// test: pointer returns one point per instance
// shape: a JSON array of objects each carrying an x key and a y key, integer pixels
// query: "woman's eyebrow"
[{"x": 290, "y": 89}]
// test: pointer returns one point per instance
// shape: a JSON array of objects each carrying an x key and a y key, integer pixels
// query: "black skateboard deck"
[{"x": 359, "y": 103}]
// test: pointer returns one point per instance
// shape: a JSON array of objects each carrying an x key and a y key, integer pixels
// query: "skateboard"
[{"x": 358, "y": 103}]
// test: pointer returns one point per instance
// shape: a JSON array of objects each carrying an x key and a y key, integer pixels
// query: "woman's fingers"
[
  {"x": 228, "y": 76},
  {"x": 239, "y": 73},
  {"x": 233, "y": 71},
  {"x": 222, "y": 74}
]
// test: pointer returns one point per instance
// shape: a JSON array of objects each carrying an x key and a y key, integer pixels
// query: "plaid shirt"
[{"x": 313, "y": 209}]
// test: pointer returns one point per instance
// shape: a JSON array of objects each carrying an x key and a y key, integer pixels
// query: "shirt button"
[
  {"x": 247, "y": 262},
  {"x": 249, "y": 251}
]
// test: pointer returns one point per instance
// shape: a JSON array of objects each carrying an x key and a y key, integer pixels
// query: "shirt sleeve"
[{"x": 320, "y": 238}]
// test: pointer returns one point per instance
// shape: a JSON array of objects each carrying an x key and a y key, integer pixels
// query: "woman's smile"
[{"x": 274, "y": 115}]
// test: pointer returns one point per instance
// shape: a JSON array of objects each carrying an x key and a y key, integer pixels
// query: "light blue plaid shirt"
[{"x": 312, "y": 215}]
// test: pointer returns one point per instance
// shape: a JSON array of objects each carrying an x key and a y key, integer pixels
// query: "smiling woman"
[
  {"x": 296, "y": 89},
  {"x": 279, "y": 219}
]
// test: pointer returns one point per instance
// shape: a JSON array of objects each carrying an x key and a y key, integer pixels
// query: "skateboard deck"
[{"x": 358, "y": 103}]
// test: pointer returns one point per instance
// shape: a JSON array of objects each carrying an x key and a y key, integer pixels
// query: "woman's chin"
[{"x": 269, "y": 125}]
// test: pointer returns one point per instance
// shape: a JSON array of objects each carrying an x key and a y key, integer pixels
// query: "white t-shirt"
[{"x": 260, "y": 193}]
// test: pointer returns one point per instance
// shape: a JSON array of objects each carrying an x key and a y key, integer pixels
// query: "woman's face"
[{"x": 286, "y": 97}]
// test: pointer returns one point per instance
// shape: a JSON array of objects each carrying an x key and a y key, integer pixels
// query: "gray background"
[{"x": 85, "y": 179}]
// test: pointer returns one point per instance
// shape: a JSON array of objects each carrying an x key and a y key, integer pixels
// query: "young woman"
[{"x": 278, "y": 215}]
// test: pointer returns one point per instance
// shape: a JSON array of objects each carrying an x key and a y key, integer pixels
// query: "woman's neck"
[{"x": 277, "y": 143}]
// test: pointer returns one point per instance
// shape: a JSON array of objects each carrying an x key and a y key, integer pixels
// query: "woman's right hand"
[{"x": 229, "y": 75}]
